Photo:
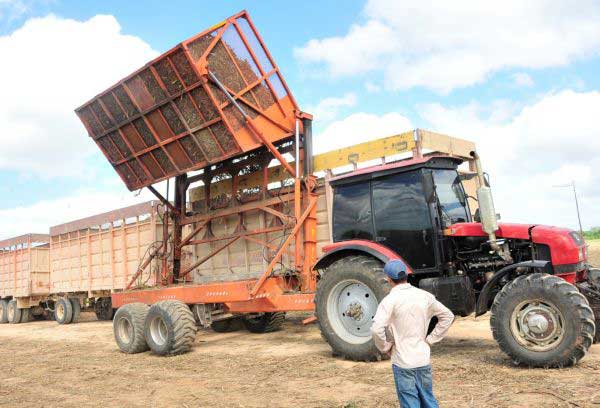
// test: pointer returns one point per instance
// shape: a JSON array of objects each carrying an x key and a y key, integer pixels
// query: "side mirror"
[{"x": 428, "y": 186}]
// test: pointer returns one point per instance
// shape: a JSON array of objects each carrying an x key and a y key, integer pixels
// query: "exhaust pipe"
[{"x": 487, "y": 212}]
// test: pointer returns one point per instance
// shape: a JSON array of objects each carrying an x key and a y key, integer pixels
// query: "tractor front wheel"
[
  {"x": 348, "y": 294},
  {"x": 541, "y": 320}
]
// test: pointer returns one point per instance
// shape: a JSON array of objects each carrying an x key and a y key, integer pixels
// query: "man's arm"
[
  {"x": 380, "y": 322},
  {"x": 445, "y": 319}
]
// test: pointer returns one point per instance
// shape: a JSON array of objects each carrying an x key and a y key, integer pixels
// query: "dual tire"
[
  {"x": 166, "y": 328},
  {"x": 11, "y": 313},
  {"x": 67, "y": 310}
]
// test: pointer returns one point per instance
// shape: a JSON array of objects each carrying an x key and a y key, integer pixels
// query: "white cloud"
[
  {"x": 457, "y": 43},
  {"x": 522, "y": 79},
  {"x": 40, "y": 216},
  {"x": 372, "y": 87},
  {"x": 328, "y": 108},
  {"x": 548, "y": 143},
  {"x": 52, "y": 65},
  {"x": 358, "y": 128}
]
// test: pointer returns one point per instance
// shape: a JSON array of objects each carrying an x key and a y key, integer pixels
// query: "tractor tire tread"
[{"x": 584, "y": 320}]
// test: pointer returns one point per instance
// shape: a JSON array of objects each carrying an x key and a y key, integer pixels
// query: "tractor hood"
[{"x": 567, "y": 247}]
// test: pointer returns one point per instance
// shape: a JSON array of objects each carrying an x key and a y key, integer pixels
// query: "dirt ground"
[
  {"x": 43, "y": 364},
  {"x": 46, "y": 365}
]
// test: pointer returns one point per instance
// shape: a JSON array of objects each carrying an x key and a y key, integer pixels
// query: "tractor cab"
[{"x": 404, "y": 206}]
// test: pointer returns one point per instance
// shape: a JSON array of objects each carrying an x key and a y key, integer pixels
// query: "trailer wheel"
[
  {"x": 25, "y": 315},
  {"x": 348, "y": 294},
  {"x": 76, "y": 309},
  {"x": 541, "y": 320},
  {"x": 264, "y": 322},
  {"x": 13, "y": 312},
  {"x": 63, "y": 311},
  {"x": 170, "y": 328},
  {"x": 128, "y": 327},
  {"x": 227, "y": 325},
  {"x": 3, "y": 311},
  {"x": 103, "y": 308}
]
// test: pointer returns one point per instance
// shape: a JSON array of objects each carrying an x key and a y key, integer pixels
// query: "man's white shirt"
[{"x": 405, "y": 314}]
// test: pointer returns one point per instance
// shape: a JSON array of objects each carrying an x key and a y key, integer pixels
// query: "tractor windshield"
[{"x": 451, "y": 196}]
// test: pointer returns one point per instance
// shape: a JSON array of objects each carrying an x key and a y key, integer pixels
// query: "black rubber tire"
[
  {"x": 103, "y": 309},
  {"x": 180, "y": 327},
  {"x": 594, "y": 277},
  {"x": 264, "y": 322},
  {"x": 25, "y": 315},
  {"x": 13, "y": 312},
  {"x": 76, "y": 309},
  {"x": 67, "y": 316},
  {"x": 131, "y": 339},
  {"x": 366, "y": 270},
  {"x": 577, "y": 315},
  {"x": 227, "y": 326},
  {"x": 3, "y": 311}
]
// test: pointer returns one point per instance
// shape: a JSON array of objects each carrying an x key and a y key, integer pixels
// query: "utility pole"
[{"x": 572, "y": 185}]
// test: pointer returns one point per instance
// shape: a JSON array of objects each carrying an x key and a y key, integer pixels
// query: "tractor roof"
[{"x": 436, "y": 161}]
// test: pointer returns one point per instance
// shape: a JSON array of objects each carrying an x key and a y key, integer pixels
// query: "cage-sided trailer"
[{"x": 78, "y": 265}]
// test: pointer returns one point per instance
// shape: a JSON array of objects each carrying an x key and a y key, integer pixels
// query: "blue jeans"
[{"x": 414, "y": 387}]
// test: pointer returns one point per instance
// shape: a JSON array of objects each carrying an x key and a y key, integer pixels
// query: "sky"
[{"x": 517, "y": 78}]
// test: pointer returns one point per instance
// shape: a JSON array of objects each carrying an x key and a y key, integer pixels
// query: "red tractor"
[{"x": 534, "y": 279}]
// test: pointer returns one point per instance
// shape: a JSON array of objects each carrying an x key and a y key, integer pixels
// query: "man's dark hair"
[{"x": 398, "y": 281}]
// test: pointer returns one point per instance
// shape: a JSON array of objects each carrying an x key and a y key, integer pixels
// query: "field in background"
[
  {"x": 594, "y": 252},
  {"x": 43, "y": 364}
]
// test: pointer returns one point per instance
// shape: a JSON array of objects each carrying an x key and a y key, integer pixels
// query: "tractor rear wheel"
[
  {"x": 348, "y": 294},
  {"x": 541, "y": 320},
  {"x": 3, "y": 311},
  {"x": 128, "y": 327},
  {"x": 13, "y": 312},
  {"x": 227, "y": 325},
  {"x": 63, "y": 311},
  {"x": 170, "y": 328}
]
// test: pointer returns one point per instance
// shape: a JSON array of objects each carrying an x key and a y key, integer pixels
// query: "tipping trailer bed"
[{"x": 173, "y": 116}]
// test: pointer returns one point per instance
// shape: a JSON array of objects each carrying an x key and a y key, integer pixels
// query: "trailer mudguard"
[
  {"x": 337, "y": 250},
  {"x": 484, "y": 296}
]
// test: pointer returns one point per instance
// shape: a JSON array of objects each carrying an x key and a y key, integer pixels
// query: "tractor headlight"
[{"x": 577, "y": 238}]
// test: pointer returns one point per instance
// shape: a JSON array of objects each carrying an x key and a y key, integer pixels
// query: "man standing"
[{"x": 400, "y": 329}]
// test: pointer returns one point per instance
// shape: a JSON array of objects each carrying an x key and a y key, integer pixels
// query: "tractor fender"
[
  {"x": 337, "y": 250},
  {"x": 484, "y": 296}
]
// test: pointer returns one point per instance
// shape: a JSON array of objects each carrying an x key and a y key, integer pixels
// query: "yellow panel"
[
  {"x": 438, "y": 142},
  {"x": 363, "y": 152}
]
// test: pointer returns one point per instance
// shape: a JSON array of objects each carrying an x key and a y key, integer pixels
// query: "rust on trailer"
[{"x": 180, "y": 111}]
